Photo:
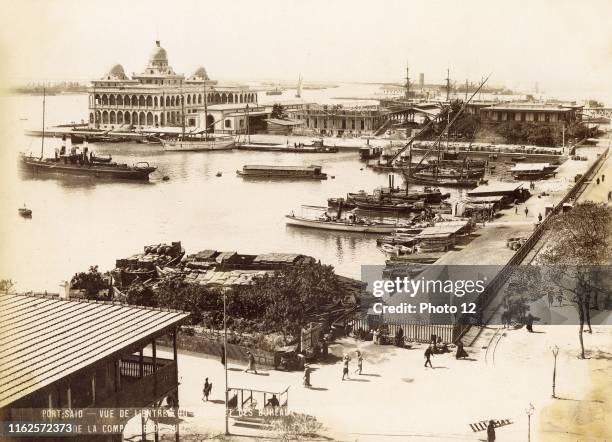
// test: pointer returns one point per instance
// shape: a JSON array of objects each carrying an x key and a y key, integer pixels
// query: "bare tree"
[{"x": 578, "y": 244}]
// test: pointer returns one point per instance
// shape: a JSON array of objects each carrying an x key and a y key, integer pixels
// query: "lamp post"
[
  {"x": 529, "y": 412},
  {"x": 225, "y": 361},
  {"x": 555, "y": 352}
]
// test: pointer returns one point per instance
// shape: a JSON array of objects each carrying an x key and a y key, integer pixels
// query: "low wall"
[{"x": 212, "y": 346}]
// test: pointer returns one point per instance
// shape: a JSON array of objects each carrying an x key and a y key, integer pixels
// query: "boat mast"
[
  {"x": 205, "y": 114},
  {"x": 42, "y": 142},
  {"x": 182, "y": 112}
]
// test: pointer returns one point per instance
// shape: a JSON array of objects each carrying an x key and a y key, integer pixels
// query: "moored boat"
[
  {"x": 340, "y": 225},
  {"x": 285, "y": 172},
  {"x": 74, "y": 165},
  {"x": 198, "y": 143}
]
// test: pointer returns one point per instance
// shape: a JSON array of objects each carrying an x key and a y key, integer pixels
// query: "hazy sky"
[{"x": 561, "y": 44}]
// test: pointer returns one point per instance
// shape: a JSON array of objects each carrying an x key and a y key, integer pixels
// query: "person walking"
[
  {"x": 516, "y": 210},
  {"x": 610, "y": 195},
  {"x": 603, "y": 178},
  {"x": 359, "y": 362},
  {"x": 491, "y": 431},
  {"x": 223, "y": 355},
  {"x": 251, "y": 366},
  {"x": 539, "y": 217},
  {"x": 526, "y": 211},
  {"x": 428, "y": 354},
  {"x": 529, "y": 321},
  {"x": 597, "y": 181},
  {"x": 307, "y": 376},
  {"x": 207, "y": 389},
  {"x": 345, "y": 367}
]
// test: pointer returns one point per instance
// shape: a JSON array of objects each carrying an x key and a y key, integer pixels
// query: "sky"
[{"x": 560, "y": 44}]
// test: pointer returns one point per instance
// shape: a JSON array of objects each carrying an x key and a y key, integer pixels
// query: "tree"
[
  {"x": 278, "y": 112},
  {"x": 578, "y": 245},
  {"x": 91, "y": 281},
  {"x": 6, "y": 285}
]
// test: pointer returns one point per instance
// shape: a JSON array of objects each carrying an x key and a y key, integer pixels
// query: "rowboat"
[{"x": 25, "y": 212}]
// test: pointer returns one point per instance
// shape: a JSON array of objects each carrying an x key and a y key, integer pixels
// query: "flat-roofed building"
[
  {"x": 59, "y": 353},
  {"x": 544, "y": 114}
]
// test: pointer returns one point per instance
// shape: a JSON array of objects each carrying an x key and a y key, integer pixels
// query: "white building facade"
[{"x": 157, "y": 97}]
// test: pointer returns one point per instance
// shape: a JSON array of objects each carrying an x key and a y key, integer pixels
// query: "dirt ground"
[{"x": 397, "y": 398}]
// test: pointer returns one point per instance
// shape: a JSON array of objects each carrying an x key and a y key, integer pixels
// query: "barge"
[{"x": 283, "y": 172}]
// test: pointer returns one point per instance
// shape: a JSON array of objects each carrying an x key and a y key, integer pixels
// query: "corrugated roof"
[
  {"x": 44, "y": 339},
  {"x": 443, "y": 229}
]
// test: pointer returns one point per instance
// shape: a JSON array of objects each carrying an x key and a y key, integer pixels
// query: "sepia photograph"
[{"x": 293, "y": 220}]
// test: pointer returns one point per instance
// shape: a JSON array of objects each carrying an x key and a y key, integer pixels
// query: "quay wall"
[{"x": 496, "y": 284}]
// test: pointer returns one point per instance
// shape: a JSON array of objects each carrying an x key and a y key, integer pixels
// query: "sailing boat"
[
  {"x": 299, "y": 88},
  {"x": 200, "y": 140}
]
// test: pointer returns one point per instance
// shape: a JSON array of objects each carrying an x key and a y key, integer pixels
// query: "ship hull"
[
  {"x": 322, "y": 176},
  {"x": 341, "y": 227},
  {"x": 36, "y": 166}
]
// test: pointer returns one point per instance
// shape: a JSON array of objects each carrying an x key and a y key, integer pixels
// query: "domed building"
[{"x": 157, "y": 97}]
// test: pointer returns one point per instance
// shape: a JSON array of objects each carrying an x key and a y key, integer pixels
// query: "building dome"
[
  {"x": 200, "y": 74},
  {"x": 159, "y": 54},
  {"x": 116, "y": 73}
]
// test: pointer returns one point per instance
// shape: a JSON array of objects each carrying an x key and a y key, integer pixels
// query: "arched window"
[
  {"x": 104, "y": 117},
  {"x": 188, "y": 99},
  {"x": 167, "y": 101},
  {"x": 150, "y": 119},
  {"x": 142, "y": 101},
  {"x": 199, "y": 98},
  {"x": 231, "y": 98},
  {"x": 241, "y": 98},
  {"x": 104, "y": 100},
  {"x": 149, "y": 101},
  {"x": 134, "y": 102},
  {"x": 120, "y": 100},
  {"x": 111, "y": 100},
  {"x": 119, "y": 117},
  {"x": 127, "y": 118},
  {"x": 156, "y": 120},
  {"x": 155, "y": 101},
  {"x": 223, "y": 98},
  {"x": 112, "y": 117},
  {"x": 162, "y": 119},
  {"x": 142, "y": 119},
  {"x": 134, "y": 118},
  {"x": 91, "y": 120}
]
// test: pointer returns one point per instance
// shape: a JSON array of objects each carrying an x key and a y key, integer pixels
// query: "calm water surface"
[{"x": 78, "y": 222}]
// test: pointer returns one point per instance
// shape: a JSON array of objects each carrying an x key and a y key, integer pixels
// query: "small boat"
[
  {"x": 197, "y": 143},
  {"x": 380, "y": 206},
  {"x": 218, "y": 174},
  {"x": 25, "y": 212},
  {"x": 362, "y": 225},
  {"x": 99, "y": 159},
  {"x": 165, "y": 178},
  {"x": 518, "y": 158}
]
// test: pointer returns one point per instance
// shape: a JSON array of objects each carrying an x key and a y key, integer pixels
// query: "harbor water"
[{"x": 79, "y": 222}]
